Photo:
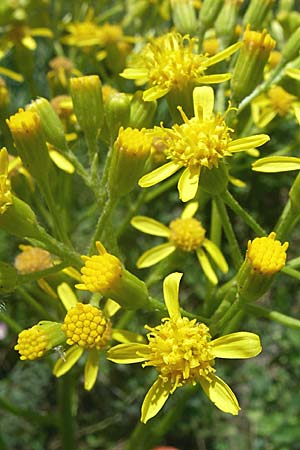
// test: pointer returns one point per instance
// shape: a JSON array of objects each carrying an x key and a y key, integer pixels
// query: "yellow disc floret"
[
  {"x": 267, "y": 255},
  {"x": 186, "y": 234},
  {"x": 32, "y": 259},
  {"x": 255, "y": 40},
  {"x": 198, "y": 143},
  {"x": 86, "y": 326},
  {"x": 181, "y": 351},
  {"x": 281, "y": 100}
]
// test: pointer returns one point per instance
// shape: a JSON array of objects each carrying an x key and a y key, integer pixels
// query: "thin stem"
[
  {"x": 294, "y": 263},
  {"x": 291, "y": 272},
  {"x": 234, "y": 246},
  {"x": 286, "y": 221},
  {"x": 240, "y": 211},
  {"x": 11, "y": 323},
  {"x": 102, "y": 221},
  {"x": 131, "y": 212},
  {"x": 66, "y": 393},
  {"x": 162, "y": 188},
  {"x": 29, "y": 415},
  {"x": 35, "y": 305},
  {"x": 260, "y": 311}
]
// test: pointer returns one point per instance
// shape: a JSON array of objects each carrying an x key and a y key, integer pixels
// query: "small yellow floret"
[
  {"x": 267, "y": 255},
  {"x": 100, "y": 272},
  {"x": 32, "y": 343},
  {"x": 86, "y": 326},
  {"x": 24, "y": 123},
  {"x": 181, "y": 351},
  {"x": 255, "y": 40},
  {"x": 186, "y": 234},
  {"x": 133, "y": 142},
  {"x": 281, "y": 100},
  {"x": 32, "y": 259}
]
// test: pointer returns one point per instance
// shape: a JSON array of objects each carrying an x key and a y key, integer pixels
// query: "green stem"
[
  {"x": 215, "y": 225},
  {"x": 102, "y": 221},
  {"x": 11, "y": 323},
  {"x": 34, "y": 276},
  {"x": 294, "y": 263},
  {"x": 291, "y": 272},
  {"x": 234, "y": 246},
  {"x": 131, "y": 212},
  {"x": 66, "y": 393},
  {"x": 286, "y": 221},
  {"x": 156, "y": 192},
  {"x": 239, "y": 210},
  {"x": 41, "y": 311},
  {"x": 26, "y": 414},
  {"x": 276, "y": 316}
]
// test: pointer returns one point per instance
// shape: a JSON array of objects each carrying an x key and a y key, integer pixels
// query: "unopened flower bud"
[
  {"x": 141, "y": 112},
  {"x": 50, "y": 121},
  {"x": 227, "y": 19},
  {"x": 130, "y": 152},
  {"x": 184, "y": 16},
  {"x": 117, "y": 113},
  {"x": 104, "y": 273},
  {"x": 86, "y": 94},
  {"x": 256, "y": 13},
  {"x": 265, "y": 257},
  {"x": 27, "y": 131},
  {"x": 291, "y": 48},
  {"x": 209, "y": 12},
  {"x": 249, "y": 69}
]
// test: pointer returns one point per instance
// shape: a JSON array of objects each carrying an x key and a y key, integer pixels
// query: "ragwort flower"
[
  {"x": 170, "y": 62},
  {"x": 199, "y": 143},
  {"x": 183, "y": 352},
  {"x": 184, "y": 233}
]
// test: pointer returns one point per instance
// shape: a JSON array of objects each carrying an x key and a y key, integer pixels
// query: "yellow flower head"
[
  {"x": 185, "y": 233},
  {"x": 32, "y": 259},
  {"x": 200, "y": 142},
  {"x": 100, "y": 272},
  {"x": 256, "y": 41},
  {"x": 86, "y": 326},
  {"x": 183, "y": 352},
  {"x": 38, "y": 340},
  {"x": 267, "y": 255},
  {"x": 171, "y": 62},
  {"x": 5, "y": 187},
  {"x": 24, "y": 123}
]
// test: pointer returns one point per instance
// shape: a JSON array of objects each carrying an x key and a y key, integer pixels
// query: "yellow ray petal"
[
  {"x": 125, "y": 336},
  {"x": 190, "y": 210},
  {"x": 159, "y": 174},
  {"x": 216, "y": 255},
  {"x": 11, "y": 74},
  {"x": 224, "y": 54},
  {"x": 28, "y": 42},
  {"x": 42, "y": 32},
  {"x": 296, "y": 107},
  {"x": 212, "y": 79},
  {"x": 206, "y": 266},
  {"x": 154, "y": 93},
  {"x": 150, "y": 226},
  {"x": 134, "y": 74},
  {"x": 203, "y": 101},
  {"x": 220, "y": 394},
  {"x": 61, "y": 162},
  {"x": 188, "y": 184},
  {"x": 240, "y": 145},
  {"x": 155, "y": 399},
  {"x": 128, "y": 353},
  {"x": 237, "y": 345},
  {"x": 91, "y": 369},
  {"x": 171, "y": 294},
  {"x": 71, "y": 357},
  {"x": 111, "y": 308},
  {"x": 67, "y": 296},
  {"x": 155, "y": 254},
  {"x": 273, "y": 164}
]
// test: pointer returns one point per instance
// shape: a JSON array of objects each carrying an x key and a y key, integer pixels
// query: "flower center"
[
  {"x": 172, "y": 61},
  {"x": 101, "y": 272},
  {"x": 198, "y": 143},
  {"x": 180, "y": 350},
  {"x": 32, "y": 259},
  {"x": 86, "y": 326},
  {"x": 267, "y": 255},
  {"x": 186, "y": 234},
  {"x": 39, "y": 339},
  {"x": 281, "y": 100}
]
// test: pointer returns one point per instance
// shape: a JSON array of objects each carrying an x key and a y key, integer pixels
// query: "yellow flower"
[
  {"x": 5, "y": 187},
  {"x": 186, "y": 234},
  {"x": 266, "y": 255},
  {"x": 199, "y": 143},
  {"x": 183, "y": 352},
  {"x": 21, "y": 35},
  {"x": 277, "y": 101},
  {"x": 87, "y": 329},
  {"x": 171, "y": 62}
]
